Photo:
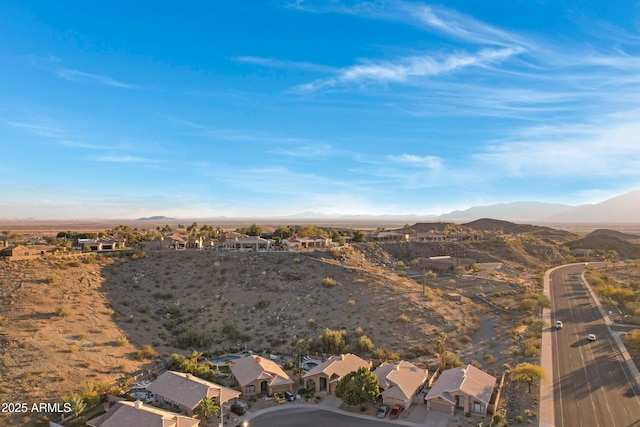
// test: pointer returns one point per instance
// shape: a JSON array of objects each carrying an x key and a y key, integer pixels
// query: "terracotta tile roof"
[
  {"x": 252, "y": 368},
  {"x": 339, "y": 366},
  {"x": 137, "y": 414},
  {"x": 467, "y": 379},
  {"x": 188, "y": 390},
  {"x": 401, "y": 379}
]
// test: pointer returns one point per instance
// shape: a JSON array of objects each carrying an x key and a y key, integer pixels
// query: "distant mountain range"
[
  {"x": 156, "y": 218},
  {"x": 621, "y": 209},
  {"x": 624, "y": 209}
]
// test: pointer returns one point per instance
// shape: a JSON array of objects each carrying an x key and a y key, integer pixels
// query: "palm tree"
[{"x": 207, "y": 407}]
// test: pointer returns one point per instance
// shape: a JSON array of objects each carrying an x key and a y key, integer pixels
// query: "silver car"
[{"x": 383, "y": 411}]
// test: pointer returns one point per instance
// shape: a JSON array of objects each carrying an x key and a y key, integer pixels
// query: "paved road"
[
  {"x": 311, "y": 417},
  {"x": 592, "y": 386}
]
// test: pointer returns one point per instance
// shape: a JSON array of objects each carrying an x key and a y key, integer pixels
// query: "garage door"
[{"x": 440, "y": 406}]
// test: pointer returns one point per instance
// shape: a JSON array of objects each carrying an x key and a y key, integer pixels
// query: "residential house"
[
  {"x": 400, "y": 383},
  {"x": 172, "y": 242},
  {"x": 14, "y": 253},
  {"x": 467, "y": 388},
  {"x": 249, "y": 243},
  {"x": 185, "y": 391},
  {"x": 325, "y": 376},
  {"x": 102, "y": 243},
  {"x": 428, "y": 237},
  {"x": 256, "y": 374},
  {"x": 387, "y": 236},
  {"x": 444, "y": 263},
  {"x": 311, "y": 242},
  {"x": 125, "y": 413}
]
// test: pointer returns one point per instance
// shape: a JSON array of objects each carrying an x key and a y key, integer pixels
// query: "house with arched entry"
[
  {"x": 257, "y": 375},
  {"x": 325, "y": 377}
]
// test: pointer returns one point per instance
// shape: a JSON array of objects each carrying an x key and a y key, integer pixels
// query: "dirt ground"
[{"x": 66, "y": 325}]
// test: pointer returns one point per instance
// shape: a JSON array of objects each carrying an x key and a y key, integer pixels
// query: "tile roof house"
[
  {"x": 185, "y": 391},
  {"x": 307, "y": 242},
  {"x": 174, "y": 241},
  {"x": 125, "y": 413},
  {"x": 249, "y": 243},
  {"x": 466, "y": 387},
  {"x": 255, "y": 374},
  {"x": 444, "y": 263},
  {"x": 103, "y": 243},
  {"x": 387, "y": 236},
  {"x": 400, "y": 383},
  {"x": 325, "y": 376},
  {"x": 18, "y": 252}
]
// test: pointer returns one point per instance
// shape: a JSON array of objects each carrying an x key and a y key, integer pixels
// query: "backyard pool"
[{"x": 225, "y": 359}]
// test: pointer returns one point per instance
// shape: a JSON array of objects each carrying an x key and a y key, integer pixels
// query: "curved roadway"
[{"x": 591, "y": 383}]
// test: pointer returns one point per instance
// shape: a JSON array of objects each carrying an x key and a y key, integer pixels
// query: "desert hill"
[{"x": 68, "y": 324}]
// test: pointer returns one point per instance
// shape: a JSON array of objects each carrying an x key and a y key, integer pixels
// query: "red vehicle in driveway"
[{"x": 395, "y": 411}]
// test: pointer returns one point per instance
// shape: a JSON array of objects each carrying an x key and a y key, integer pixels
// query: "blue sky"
[{"x": 259, "y": 108}]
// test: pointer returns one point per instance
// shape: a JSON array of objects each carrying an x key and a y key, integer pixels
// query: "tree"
[
  {"x": 359, "y": 387},
  {"x": 333, "y": 341},
  {"x": 528, "y": 372},
  {"x": 207, "y": 407},
  {"x": 442, "y": 345},
  {"x": 358, "y": 236}
]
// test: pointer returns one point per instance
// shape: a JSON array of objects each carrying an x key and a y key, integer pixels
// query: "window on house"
[
  {"x": 477, "y": 407},
  {"x": 250, "y": 389}
]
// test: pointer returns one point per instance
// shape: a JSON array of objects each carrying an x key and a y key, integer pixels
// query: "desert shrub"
[
  {"x": 262, "y": 303},
  {"x": 364, "y": 344},
  {"x": 190, "y": 338},
  {"x": 73, "y": 264},
  {"x": 311, "y": 322},
  {"x": 633, "y": 337},
  {"x": 121, "y": 342},
  {"x": 146, "y": 352},
  {"x": 329, "y": 282},
  {"x": 138, "y": 254},
  {"x": 351, "y": 302},
  {"x": 89, "y": 259},
  {"x": 64, "y": 311},
  {"x": 333, "y": 341},
  {"x": 52, "y": 278},
  {"x": 109, "y": 311},
  {"x": 335, "y": 253},
  {"x": 163, "y": 295},
  {"x": 519, "y": 419},
  {"x": 230, "y": 330},
  {"x": 358, "y": 331},
  {"x": 403, "y": 318}
]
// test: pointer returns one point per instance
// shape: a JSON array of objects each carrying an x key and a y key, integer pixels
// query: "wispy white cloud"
[
  {"x": 595, "y": 150},
  {"x": 83, "y": 77},
  {"x": 121, "y": 159},
  {"x": 53, "y": 64},
  {"x": 430, "y": 162},
  {"x": 37, "y": 128},
  {"x": 459, "y": 26},
  {"x": 309, "y": 151},
  {"x": 407, "y": 69},
  {"x": 277, "y": 63}
]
